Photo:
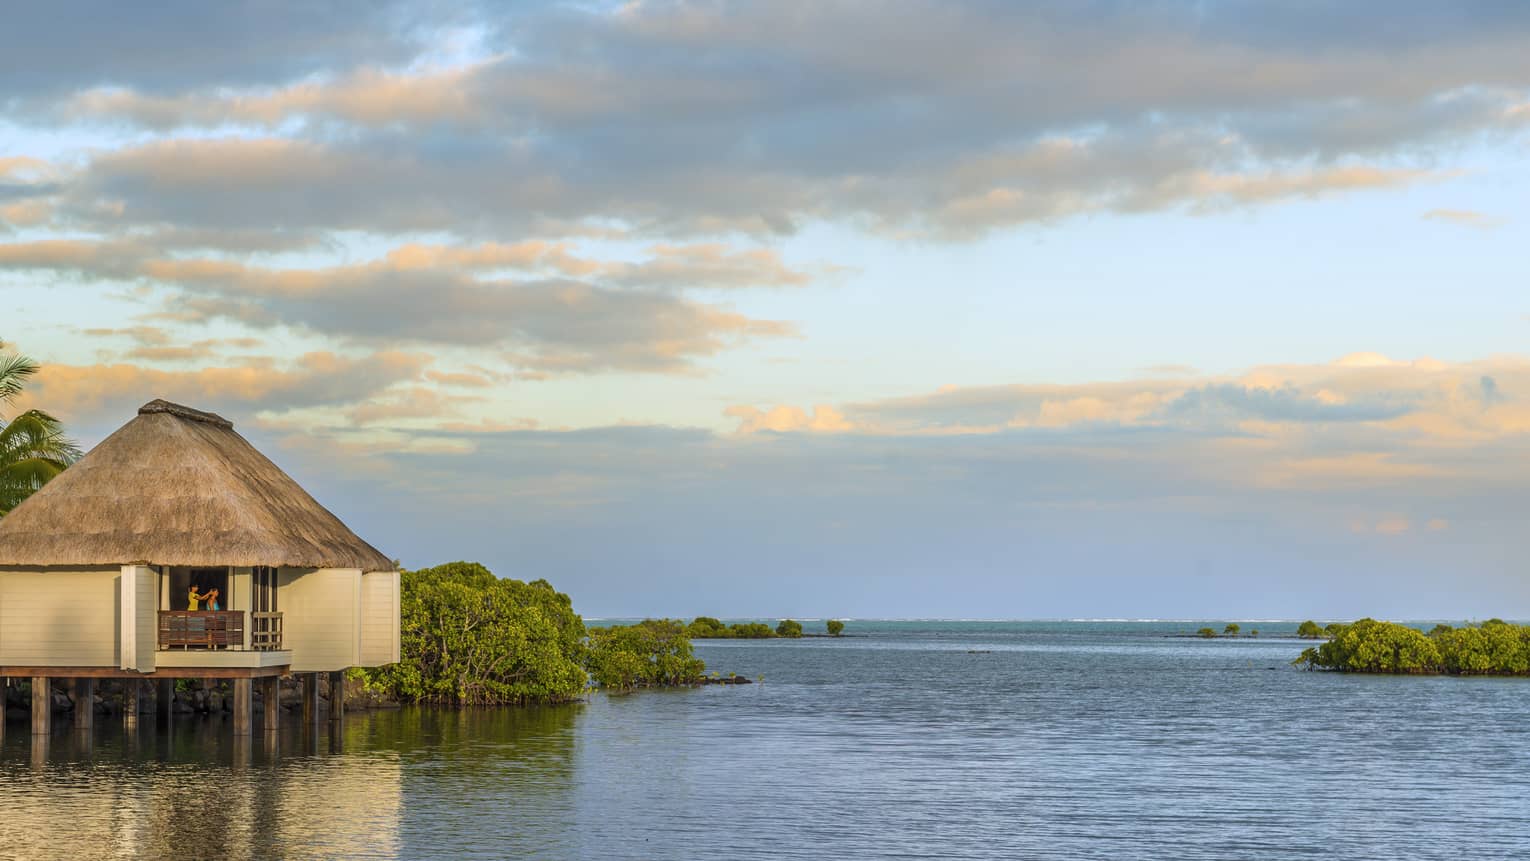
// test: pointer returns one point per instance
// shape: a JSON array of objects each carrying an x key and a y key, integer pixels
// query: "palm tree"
[{"x": 33, "y": 448}]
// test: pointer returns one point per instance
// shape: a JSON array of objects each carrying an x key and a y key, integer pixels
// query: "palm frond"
[
  {"x": 15, "y": 370},
  {"x": 33, "y": 451}
]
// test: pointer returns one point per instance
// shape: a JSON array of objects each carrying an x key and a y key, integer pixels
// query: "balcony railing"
[
  {"x": 201, "y": 629},
  {"x": 266, "y": 632},
  {"x": 218, "y": 629}
]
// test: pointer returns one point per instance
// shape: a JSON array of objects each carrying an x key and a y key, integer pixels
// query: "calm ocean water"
[{"x": 909, "y": 740}]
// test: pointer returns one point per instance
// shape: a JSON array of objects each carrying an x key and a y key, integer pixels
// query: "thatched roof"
[{"x": 177, "y": 486}]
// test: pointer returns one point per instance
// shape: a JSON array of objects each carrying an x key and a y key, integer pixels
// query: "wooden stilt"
[
  {"x": 42, "y": 705},
  {"x": 242, "y": 750},
  {"x": 84, "y": 704},
  {"x": 131, "y": 691},
  {"x": 164, "y": 699},
  {"x": 337, "y": 696},
  {"x": 39, "y": 753},
  {"x": 244, "y": 711},
  {"x": 271, "y": 693},
  {"x": 310, "y": 699}
]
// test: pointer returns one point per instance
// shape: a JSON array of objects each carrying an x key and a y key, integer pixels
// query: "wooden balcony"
[
  {"x": 266, "y": 632},
  {"x": 218, "y": 629}
]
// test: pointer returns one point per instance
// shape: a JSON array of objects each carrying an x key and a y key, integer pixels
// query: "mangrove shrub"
[
  {"x": 470, "y": 638},
  {"x": 651, "y": 653},
  {"x": 1493, "y": 648},
  {"x": 708, "y": 628},
  {"x": 789, "y": 628},
  {"x": 835, "y": 627}
]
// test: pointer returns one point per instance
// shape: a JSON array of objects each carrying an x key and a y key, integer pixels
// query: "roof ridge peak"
[{"x": 160, "y": 405}]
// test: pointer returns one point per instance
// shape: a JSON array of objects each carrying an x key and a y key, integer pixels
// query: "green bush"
[
  {"x": 1309, "y": 630},
  {"x": 707, "y": 628},
  {"x": 1493, "y": 648},
  {"x": 1232, "y": 629},
  {"x": 1208, "y": 633},
  {"x": 835, "y": 627},
  {"x": 789, "y": 628},
  {"x": 652, "y": 653},
  {"x": 1369, "y": 646},
  {"x": 470, "y": 638}
]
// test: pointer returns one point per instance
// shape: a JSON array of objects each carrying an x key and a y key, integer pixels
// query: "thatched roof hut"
[{"x": 177, "y": 486}]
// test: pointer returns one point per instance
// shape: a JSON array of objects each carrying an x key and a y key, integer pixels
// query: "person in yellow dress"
[{"x": 192, "y": 598}]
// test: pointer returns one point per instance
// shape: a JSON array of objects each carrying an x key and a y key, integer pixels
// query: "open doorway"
[{"x": 206, "y": 580}]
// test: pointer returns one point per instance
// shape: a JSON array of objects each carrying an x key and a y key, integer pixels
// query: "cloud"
[
  {"x": 412, "y": 403},
  {"x": 95, "y": 393},
  {"x": 1358, "y": 424},
  {"x": 674, "y": 120},
  {"x": 622, "y": 315},
  {"x": 106, "y": 259},
  {"x": 1463, "y": 218},
  {"x": 79, "y": 44},
  {"x": 240, "y": 184},
  {"x": 367, "y": 96},
  {"x": 783, "y": 419},
  {"x": 29, "y": 213},
  {"x": 1284, "y": 403},
  {"x": 555, "y": 325}
]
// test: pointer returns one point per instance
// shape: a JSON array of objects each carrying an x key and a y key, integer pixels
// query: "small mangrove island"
[
  {"x": 709, "y": 628},
  {"x": 469, "y": 638},
  {"x": 1491, "y": 648}
]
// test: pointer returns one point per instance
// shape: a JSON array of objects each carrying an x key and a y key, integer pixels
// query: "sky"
[{"x": 1090, "y": 309}]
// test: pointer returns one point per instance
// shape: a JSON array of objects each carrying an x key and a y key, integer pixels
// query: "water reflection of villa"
[{"x": 106, "y": 573}]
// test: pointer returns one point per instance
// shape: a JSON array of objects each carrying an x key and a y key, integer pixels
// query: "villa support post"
[
  {"x": 84, "y": 704},
  {"x": 310, "y": 699},
  {"x": 337, "y": 696},
  {"x": 164, "y": 699},
  {"x": 42, "y": 705},
  {"x": 271, "y": 696},
  {"x": 243, "y": 706},
  {"x": 242, "y": 749},
  {"x": 130, "y": 695}
]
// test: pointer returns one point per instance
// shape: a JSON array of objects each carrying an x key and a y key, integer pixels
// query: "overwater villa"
[{"x": 110, "y": 572}]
